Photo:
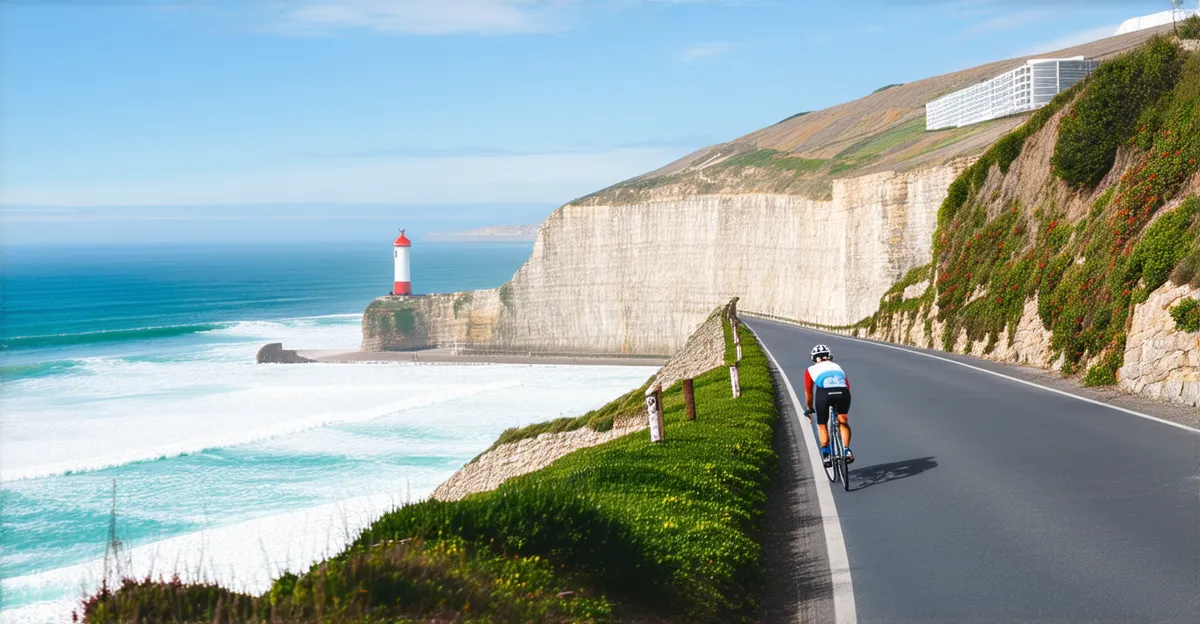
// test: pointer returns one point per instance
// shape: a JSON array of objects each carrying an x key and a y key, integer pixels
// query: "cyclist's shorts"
[{"x": 823, "y": 398}]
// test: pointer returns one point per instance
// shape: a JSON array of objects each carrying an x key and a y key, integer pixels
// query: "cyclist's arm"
[{"x": 808, "y": 390}]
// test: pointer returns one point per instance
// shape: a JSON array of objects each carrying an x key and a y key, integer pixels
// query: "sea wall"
[{"x": 638, "y": 278}]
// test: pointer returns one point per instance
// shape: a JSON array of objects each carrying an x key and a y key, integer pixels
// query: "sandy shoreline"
[{"x": 449, "y": 356}]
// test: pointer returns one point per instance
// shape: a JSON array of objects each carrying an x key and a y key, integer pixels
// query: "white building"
[
  {"x": 1025, "y": 88},
  {"x": 1154, "y": 20}
]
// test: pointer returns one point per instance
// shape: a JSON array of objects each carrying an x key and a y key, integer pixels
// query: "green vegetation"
[
  {"x": 506, "y": 294},
  {"x": 872, "y": 148},
  {"x": 600, "y": 419},
  {"x": 623, "y": 531},
  {"x": 789, "y": 118},
  {"x": 992, "y": 254},
  {"x": 404, "y": 320},
  {"x": 886, "y": 87},
  {"x": 1189, "y": 28},
  {"x": 773, "y": 158},
  {"x": 1187, "y": 315},
  {"x": 462, "y": 301},
  {"x": 1107, "y": 113}
]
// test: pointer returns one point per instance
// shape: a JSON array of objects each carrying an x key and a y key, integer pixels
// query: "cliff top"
[{"x": 884, "y": 131}]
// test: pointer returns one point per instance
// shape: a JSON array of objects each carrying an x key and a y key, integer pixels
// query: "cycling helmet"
[{"x": 820, "y": 351}]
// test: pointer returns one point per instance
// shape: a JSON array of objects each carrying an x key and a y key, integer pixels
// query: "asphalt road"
[{"x": 977, "y": 498}]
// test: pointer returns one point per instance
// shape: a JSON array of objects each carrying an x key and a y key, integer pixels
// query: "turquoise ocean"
[{"x": 134, "y": 367}]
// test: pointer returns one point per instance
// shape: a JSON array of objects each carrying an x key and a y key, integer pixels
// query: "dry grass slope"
[{"x": 882, "y": 131}]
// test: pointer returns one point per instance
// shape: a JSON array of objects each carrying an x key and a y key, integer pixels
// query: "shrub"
[
  {"x": 1187, "y": 315},
  {"x": 1105, "y": 373},
  {"x": 1189, "y": 28},
  {"x": 1106, "y": 114}
]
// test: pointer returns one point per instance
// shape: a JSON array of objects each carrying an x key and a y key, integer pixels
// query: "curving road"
[{"x": 980, "y": 498}]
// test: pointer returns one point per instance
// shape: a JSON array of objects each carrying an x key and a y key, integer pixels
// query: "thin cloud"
[
  {"x": 424, "y": 17},
  {"x": 1070, "y": 40},
  {"x": 706, "y": 51},
  {"x": 1010, "y": 21}
]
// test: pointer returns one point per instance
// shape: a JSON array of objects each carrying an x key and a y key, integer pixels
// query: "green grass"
[
  {"x": 886, "y": 87},
  {"x": 872, "y": 149},
  {"x": 668, "y": 531},
  {"x": 600, "y": 419},
  {"x": 791, "y": 117},
  {"x": 773, "y": 159}
]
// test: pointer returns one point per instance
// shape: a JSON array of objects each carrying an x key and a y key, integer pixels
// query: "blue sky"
[{"x": 329, "y": 119}]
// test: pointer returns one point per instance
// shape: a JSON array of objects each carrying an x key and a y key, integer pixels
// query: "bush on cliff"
[
  {"x": 992, "y": 254},
  {"x": 1107, "y": 112},
  {"x": 626, "y": 529},
  {"x": 1187, "y": 315},
  {"x": 1189, "y": 28}
]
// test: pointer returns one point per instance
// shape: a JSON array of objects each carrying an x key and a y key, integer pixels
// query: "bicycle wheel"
[
  {"x": 835, "y": 445},
  {"x": 830, "y": 470},
  {"x": 839, "y": 462}
]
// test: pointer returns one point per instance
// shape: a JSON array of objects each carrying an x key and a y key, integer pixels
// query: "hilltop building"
[{"x": 1025, "y": 88}]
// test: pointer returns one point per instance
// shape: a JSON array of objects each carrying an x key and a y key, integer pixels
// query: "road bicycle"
[{"x": 838, "y": 469}]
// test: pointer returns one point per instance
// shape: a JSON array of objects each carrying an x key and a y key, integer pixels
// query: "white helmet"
[{"x": 820, "y": 351}]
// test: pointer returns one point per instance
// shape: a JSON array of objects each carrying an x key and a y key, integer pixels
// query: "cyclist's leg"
[
  {"x": 821, "y": 404},
  {"x": 844, "y": 417}
]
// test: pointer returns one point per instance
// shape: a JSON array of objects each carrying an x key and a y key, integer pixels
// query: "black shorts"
[{"x": 824, "y": 398}]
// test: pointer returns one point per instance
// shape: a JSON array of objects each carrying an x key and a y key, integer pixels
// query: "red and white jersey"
[{"x": 825, "y": 375}]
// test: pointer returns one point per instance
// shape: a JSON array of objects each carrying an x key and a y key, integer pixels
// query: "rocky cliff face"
[{"x": 638, "y": 278}]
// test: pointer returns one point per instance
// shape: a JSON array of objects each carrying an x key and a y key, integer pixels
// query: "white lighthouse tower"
[{"x": 400, "y": 251}]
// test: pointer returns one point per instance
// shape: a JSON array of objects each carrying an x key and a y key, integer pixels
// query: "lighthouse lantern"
[{"x": 400, "y": 251}]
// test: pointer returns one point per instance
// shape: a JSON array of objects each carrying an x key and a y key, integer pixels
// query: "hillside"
[
  {"x": 884, "y": 131},
  {"x": 1074, "y": 242}
]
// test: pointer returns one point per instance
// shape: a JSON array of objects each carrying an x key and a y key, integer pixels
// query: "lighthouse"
[{"x": 400, "y": 251}]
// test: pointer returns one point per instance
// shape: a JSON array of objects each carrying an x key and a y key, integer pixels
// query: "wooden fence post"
[
  {"x": 733, "y": 380},
  {"x": 654, "y": 412},
  {"x": 689, "y": 399}
]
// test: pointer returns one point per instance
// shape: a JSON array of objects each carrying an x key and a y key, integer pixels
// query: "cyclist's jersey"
[{"x": 825, "y": 375}]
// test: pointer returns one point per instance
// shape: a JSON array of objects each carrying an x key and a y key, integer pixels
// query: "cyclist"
[{"x": 826, "y": 385}]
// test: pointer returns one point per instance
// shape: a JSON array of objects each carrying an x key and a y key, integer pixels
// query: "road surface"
[{"x": 979, "y": 498}]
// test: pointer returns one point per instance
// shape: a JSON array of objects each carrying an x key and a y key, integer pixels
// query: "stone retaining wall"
[{"x": 1160, "y": 360}]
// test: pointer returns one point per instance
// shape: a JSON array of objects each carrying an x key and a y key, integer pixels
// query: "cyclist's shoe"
[
  {"x": 826, "y": 457},
  {"x": 849, "y": 456}
]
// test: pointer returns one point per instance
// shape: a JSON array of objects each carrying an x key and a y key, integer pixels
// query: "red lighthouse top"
[{"x": 402, "y": 241}]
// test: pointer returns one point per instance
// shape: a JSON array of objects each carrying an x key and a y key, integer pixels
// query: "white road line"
[
  {"x": 844, "y": 610},
  {"x": 990, "y": 372}
]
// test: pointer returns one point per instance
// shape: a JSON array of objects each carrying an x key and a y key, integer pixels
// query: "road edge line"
[
  {"x": 990, "y": 372},
  {"x": 844, "y": 609}
]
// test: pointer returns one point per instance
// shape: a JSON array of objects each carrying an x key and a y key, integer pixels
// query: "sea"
[{"x": 139, "y": 438}]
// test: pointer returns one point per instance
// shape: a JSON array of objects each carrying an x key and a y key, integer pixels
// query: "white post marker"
[
  {"x": 739, "y": 351},
  {"x": 654, "y": 412},
  {"x": 733, "y": 381}
]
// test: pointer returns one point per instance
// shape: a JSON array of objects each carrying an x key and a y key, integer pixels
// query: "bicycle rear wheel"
[
  {"x": 839, "y": 461},
  {"x": 831, "y": 469},
  {"x": 835, "y": 445}
]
